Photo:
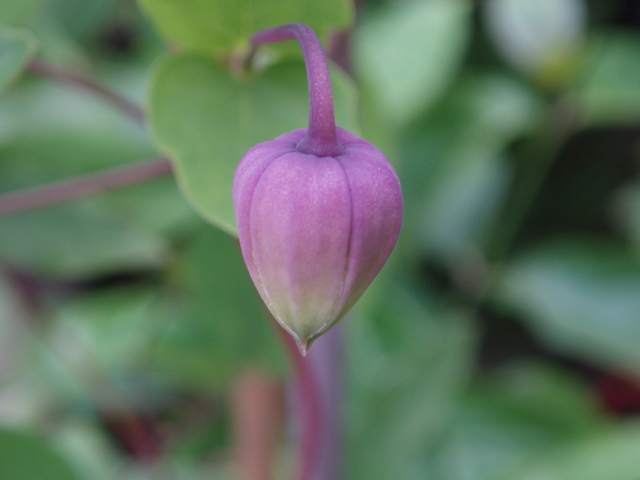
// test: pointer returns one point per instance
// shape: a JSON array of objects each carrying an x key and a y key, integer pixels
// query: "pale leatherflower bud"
[{"x": 318, "y": 210}]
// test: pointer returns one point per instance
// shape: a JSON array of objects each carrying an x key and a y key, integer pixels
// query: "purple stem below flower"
[
  {"x": 327, "y": 358},
  {"x": 321, "y": 139},
  {"x": 310, "y": 407}
]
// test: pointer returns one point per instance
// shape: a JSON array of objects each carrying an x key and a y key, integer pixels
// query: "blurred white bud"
[{"x": 541, "y": 37}]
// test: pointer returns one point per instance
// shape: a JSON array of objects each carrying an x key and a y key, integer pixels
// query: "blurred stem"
[
  {"x": 535, "y": 158},
  {"x": 257, "y": 407},
  {"x": 309, "y": 407},
  {"x": 82, "y": 186},
  {"x": 44, "y": 69}
]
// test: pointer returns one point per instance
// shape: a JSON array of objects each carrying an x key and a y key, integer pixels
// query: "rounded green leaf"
[
  {"x": 221, "y": 25},
  {"x": 206, "y": 120}
]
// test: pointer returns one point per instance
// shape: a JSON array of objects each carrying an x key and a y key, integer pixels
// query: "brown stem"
[
  {"x": 44, "y": 69},
  {"x": 78, "y": 187}
]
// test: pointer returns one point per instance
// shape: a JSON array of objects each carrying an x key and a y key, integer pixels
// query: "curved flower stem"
[
  {"x": 42, "y": 68},
  {"x": 310, "y": 408},
  {"x": 78, "y": 187},
  {"x": 321, "y": 139}
]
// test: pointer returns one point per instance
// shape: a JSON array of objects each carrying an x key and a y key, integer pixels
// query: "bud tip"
[{"x": 303, "y": 346}]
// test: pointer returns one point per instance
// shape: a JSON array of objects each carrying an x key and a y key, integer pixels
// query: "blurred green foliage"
[
  {"x": 480, "y": 351},
  {"x": 17, "y": 47}
]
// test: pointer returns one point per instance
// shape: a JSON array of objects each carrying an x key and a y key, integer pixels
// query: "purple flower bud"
[{"x": 318, "y": 210}]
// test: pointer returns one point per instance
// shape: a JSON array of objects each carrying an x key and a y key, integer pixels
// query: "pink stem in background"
[
  {"x": 82, "y": 186},
  {"x": 78, "y": 187},
  {"x": 257, "y": 400},
  {"x": 321, "y": 139},
  {"x": 44, "y": 69}
]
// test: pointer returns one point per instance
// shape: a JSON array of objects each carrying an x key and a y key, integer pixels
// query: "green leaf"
[
  {"x": 25, "y": 457},
  {"x": 18, "y": 13},
  {"x": 12, "y": 329},
  {"x": 517, "y": 415},
  {"x": 159, "y": 206},
  {"x": 582, "y": 297},
  {"x": 227, "y": 328},
  {"x": 612, "y": 454},
  {"x": 17, "y": 47},
  {"x": 408, "y": 53},
  {"x": 453, "y": 171},
  {"x": 78, "y": 241},
  {"x": 206, "y": 120},
  {"x": 90, "y": 448},
  {"x": 115, "y": 326},
  {"x": 222, "y": 25},
  {"x": 82, "y": 19},
  {"x": 543, "y": 396},
  {"x": 609, "y": 93},
  {"x": 409, "y": 360},
  {"x": 627, "y": 211}
]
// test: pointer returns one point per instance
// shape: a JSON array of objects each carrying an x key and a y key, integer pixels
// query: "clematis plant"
[{"x": 318, "y": 210}]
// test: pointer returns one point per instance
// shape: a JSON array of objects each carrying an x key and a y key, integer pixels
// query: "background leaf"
[
  {"x": 79, "y": 241},
  {"x": 409, "y": 51},
  {"x": 52, "y": 131},
  {"x": 222, "y": 25},
  {"x": 454, "y": 171},
  {"x": 12, "y": 330},
  {"x": 609, "y": 91},
  {"x": 581, "y": 296},
  {"x": 612, "y": 454},
  {"x": 17, "y": 13},
  {"x": 226, "y": 329},
  {"x": 409, "y": 359}
]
